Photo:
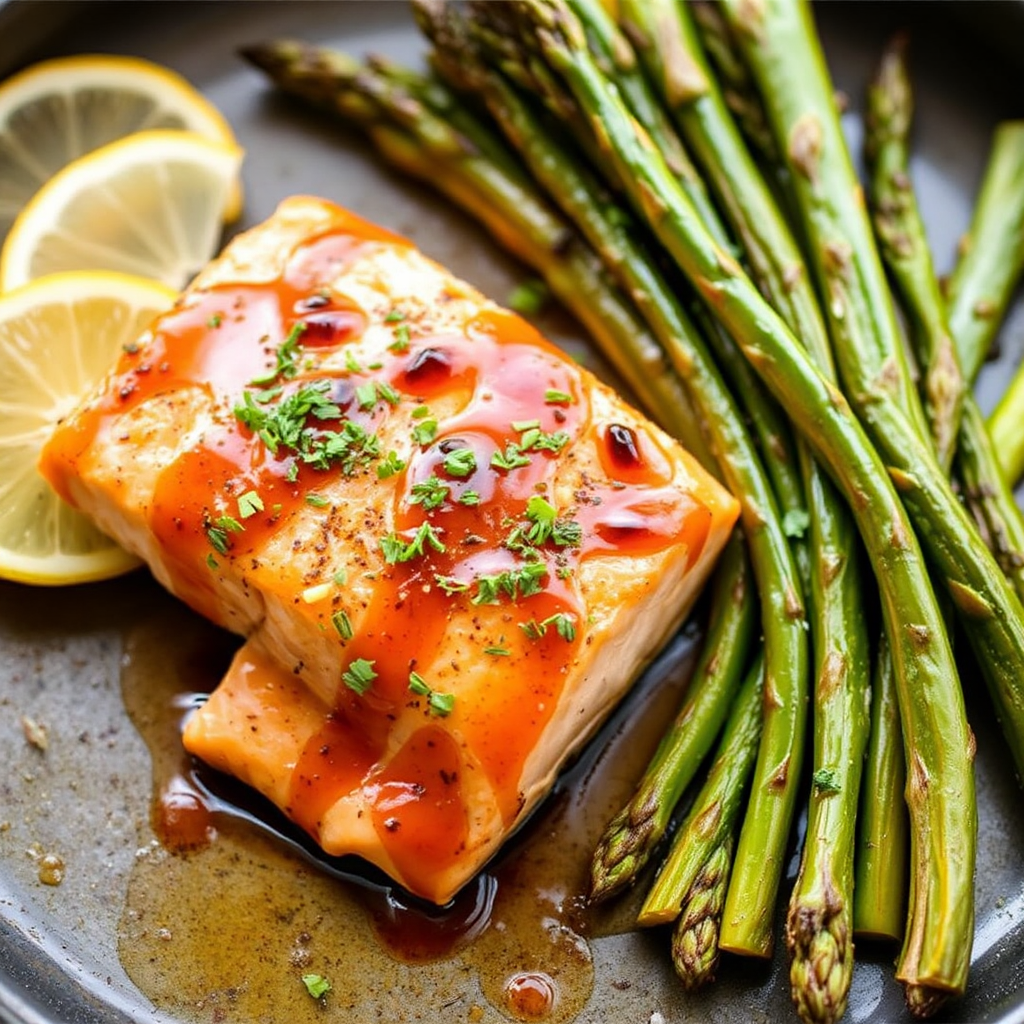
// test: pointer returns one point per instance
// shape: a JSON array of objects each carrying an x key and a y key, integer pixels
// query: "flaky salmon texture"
[{"x": 450, "y": 549}]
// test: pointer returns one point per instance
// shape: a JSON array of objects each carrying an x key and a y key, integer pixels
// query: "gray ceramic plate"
[{"x": 76, "y": 659}]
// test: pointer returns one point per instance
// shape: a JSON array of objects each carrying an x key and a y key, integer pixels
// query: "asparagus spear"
[
  {"x": 782, "y": 50},
  {"x": 710, "y": 821},
  {"x": 695, "y": 937},
  {"x": 668, "y": 43},
  {"x": 779, "y": 764},
  {"x": 983, "y": 283},
  {"x": 879, "y": 890},
  {"x": 941, "y": 791},
  {"x": 904, "y": 247},
  {"x": 612, "y": 50},
  {"x": 952, "y": 410},
  {"x": 992, "y": 253}
]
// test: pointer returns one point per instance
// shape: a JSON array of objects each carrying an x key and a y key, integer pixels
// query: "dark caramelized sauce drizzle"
[{"x": 237, "y": 903}]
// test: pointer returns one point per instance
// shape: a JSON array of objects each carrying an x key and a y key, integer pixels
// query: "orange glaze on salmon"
[{"x": 451, "y": 549}]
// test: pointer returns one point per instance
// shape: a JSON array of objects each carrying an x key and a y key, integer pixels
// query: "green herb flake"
[
  {"x": 401, "y": 342},
  {"x": 387, "y": 392},
  {"x": 396, "y": 551},
  {"x": 425, "y": 431},
  {"x": 418, "y": 684},
  {"x": 229, "y": 523},
  {"x": 554, "y": 397},
  {"x": 430, "y": 493},
  {"x": 565, "y": 625},
  {"x": 218, "y": 539},
  {"x": 499, "y": 652},
  {"x": 249, "y": 504},
  {"x": 395, "y": 316},
  {"x": 366, "y": 395},
  {"x": 460, "y": 463},
  {"x": 826, "y": 780},
  {"x": 528, "y": 298},
  {"x": 441, "y": 704},
  {"x": 469, "y": 498},
  {"x": 212, "y": 562},
  {"x": 513, "y": 583},
  {"x": 341, "y": 577},
  {"x": 351, "y": 363},
  {"x": 450, "y": 585},
  {"x": 342, "y": 624},
  {"x": 511, "y": 458},
  {"x": 390, "y": 465},
  {"x": 286, "y": 358},
  {"x": 420, "y": 411},
  {"x": 520, "y": 425},
  {"x": 216, "y": 320},
  {"x": 316, "y": 985},
  {"x": 359, "y": 675},
  {"x": 317, "y": 500}
]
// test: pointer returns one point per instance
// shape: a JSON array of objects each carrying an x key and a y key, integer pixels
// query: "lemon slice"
[
  {"x": 151, "y": 205},
  {"x": 58, "y": 337},
  {"x": 56, "y": 111}
]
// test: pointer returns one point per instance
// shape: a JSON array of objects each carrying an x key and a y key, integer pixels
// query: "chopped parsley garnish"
[
  {"x": 514, "y": 583},
  {"x": 565, "y": 626},
  {"x": 359, "y": 675},
  {"x": 341, "y": 623},
  {"x": 218, "y": 539},
  {"x": 430, "y": 493},
  {"x": 249, "y": 504},
  {"x": 440, "y": 703},
  {"x": 460, "y": 463},
  {"x": 395, "y": 550},
  {"x": 511, "y": 458},
  {"x": 536, "y": 440},
  {"x": 390, "y": 465},
  {"x": 216, "y": 320},
  {"x": 528, "y": 297},
  {"x": 425, "y": 431},
  {"x": 286, "y": 362},
  {"x": 341, "y": 577},
  {"x": 394, "y": 317},
  {"x": 420, "y": 411},
  {"x": 367, "y": 394},
  {"x": 546, "y": 525},
  {"x": 501, "y": 652},
  {"x": 351, "y": 363},
  {"x": 450, "y": 585},
  {"x": 554, "y": 397},
  {"x": 317, "y": 500},
  {"x": 316, "y": 985},
  {"x": 401, "y": 342},
  {"x": 469, "y": 498},
  {"x": 212, "y": 562}
]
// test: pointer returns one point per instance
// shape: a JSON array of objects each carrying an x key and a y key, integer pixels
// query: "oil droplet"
[
  {"x": 51, "y": 869},
  {"x": 530, "y": 995}
]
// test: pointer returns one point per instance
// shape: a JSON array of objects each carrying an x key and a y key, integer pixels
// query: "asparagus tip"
[{"x": 822, "y": 962}]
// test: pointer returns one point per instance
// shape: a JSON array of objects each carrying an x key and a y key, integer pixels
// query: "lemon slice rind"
[
  {"x": 79, "y": 321},
  {"x": 113, "y": 209}
]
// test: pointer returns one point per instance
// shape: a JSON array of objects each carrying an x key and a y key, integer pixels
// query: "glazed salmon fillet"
[{"x": 450, "y": 548}]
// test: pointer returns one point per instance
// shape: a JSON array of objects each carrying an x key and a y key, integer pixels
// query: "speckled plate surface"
[{"x": 62, "y": 652}]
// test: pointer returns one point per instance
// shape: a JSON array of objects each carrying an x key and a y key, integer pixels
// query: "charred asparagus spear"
[
  {"x": 774, "y": 568},
  {"x": 710, "y": 821},
  {"x": 992, "y": 252},
  {"x": 952, "y": 410},
  {"x": 943, "y": 808},
  {"x": 668, "y": 43},
  {"x": 984, "y": 280}
]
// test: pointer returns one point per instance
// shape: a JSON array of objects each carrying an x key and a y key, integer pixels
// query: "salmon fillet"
[{"x": 450, "y": 548}]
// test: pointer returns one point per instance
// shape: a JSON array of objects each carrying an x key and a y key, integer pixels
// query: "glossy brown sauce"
[{"x": 230, "y": 905}]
